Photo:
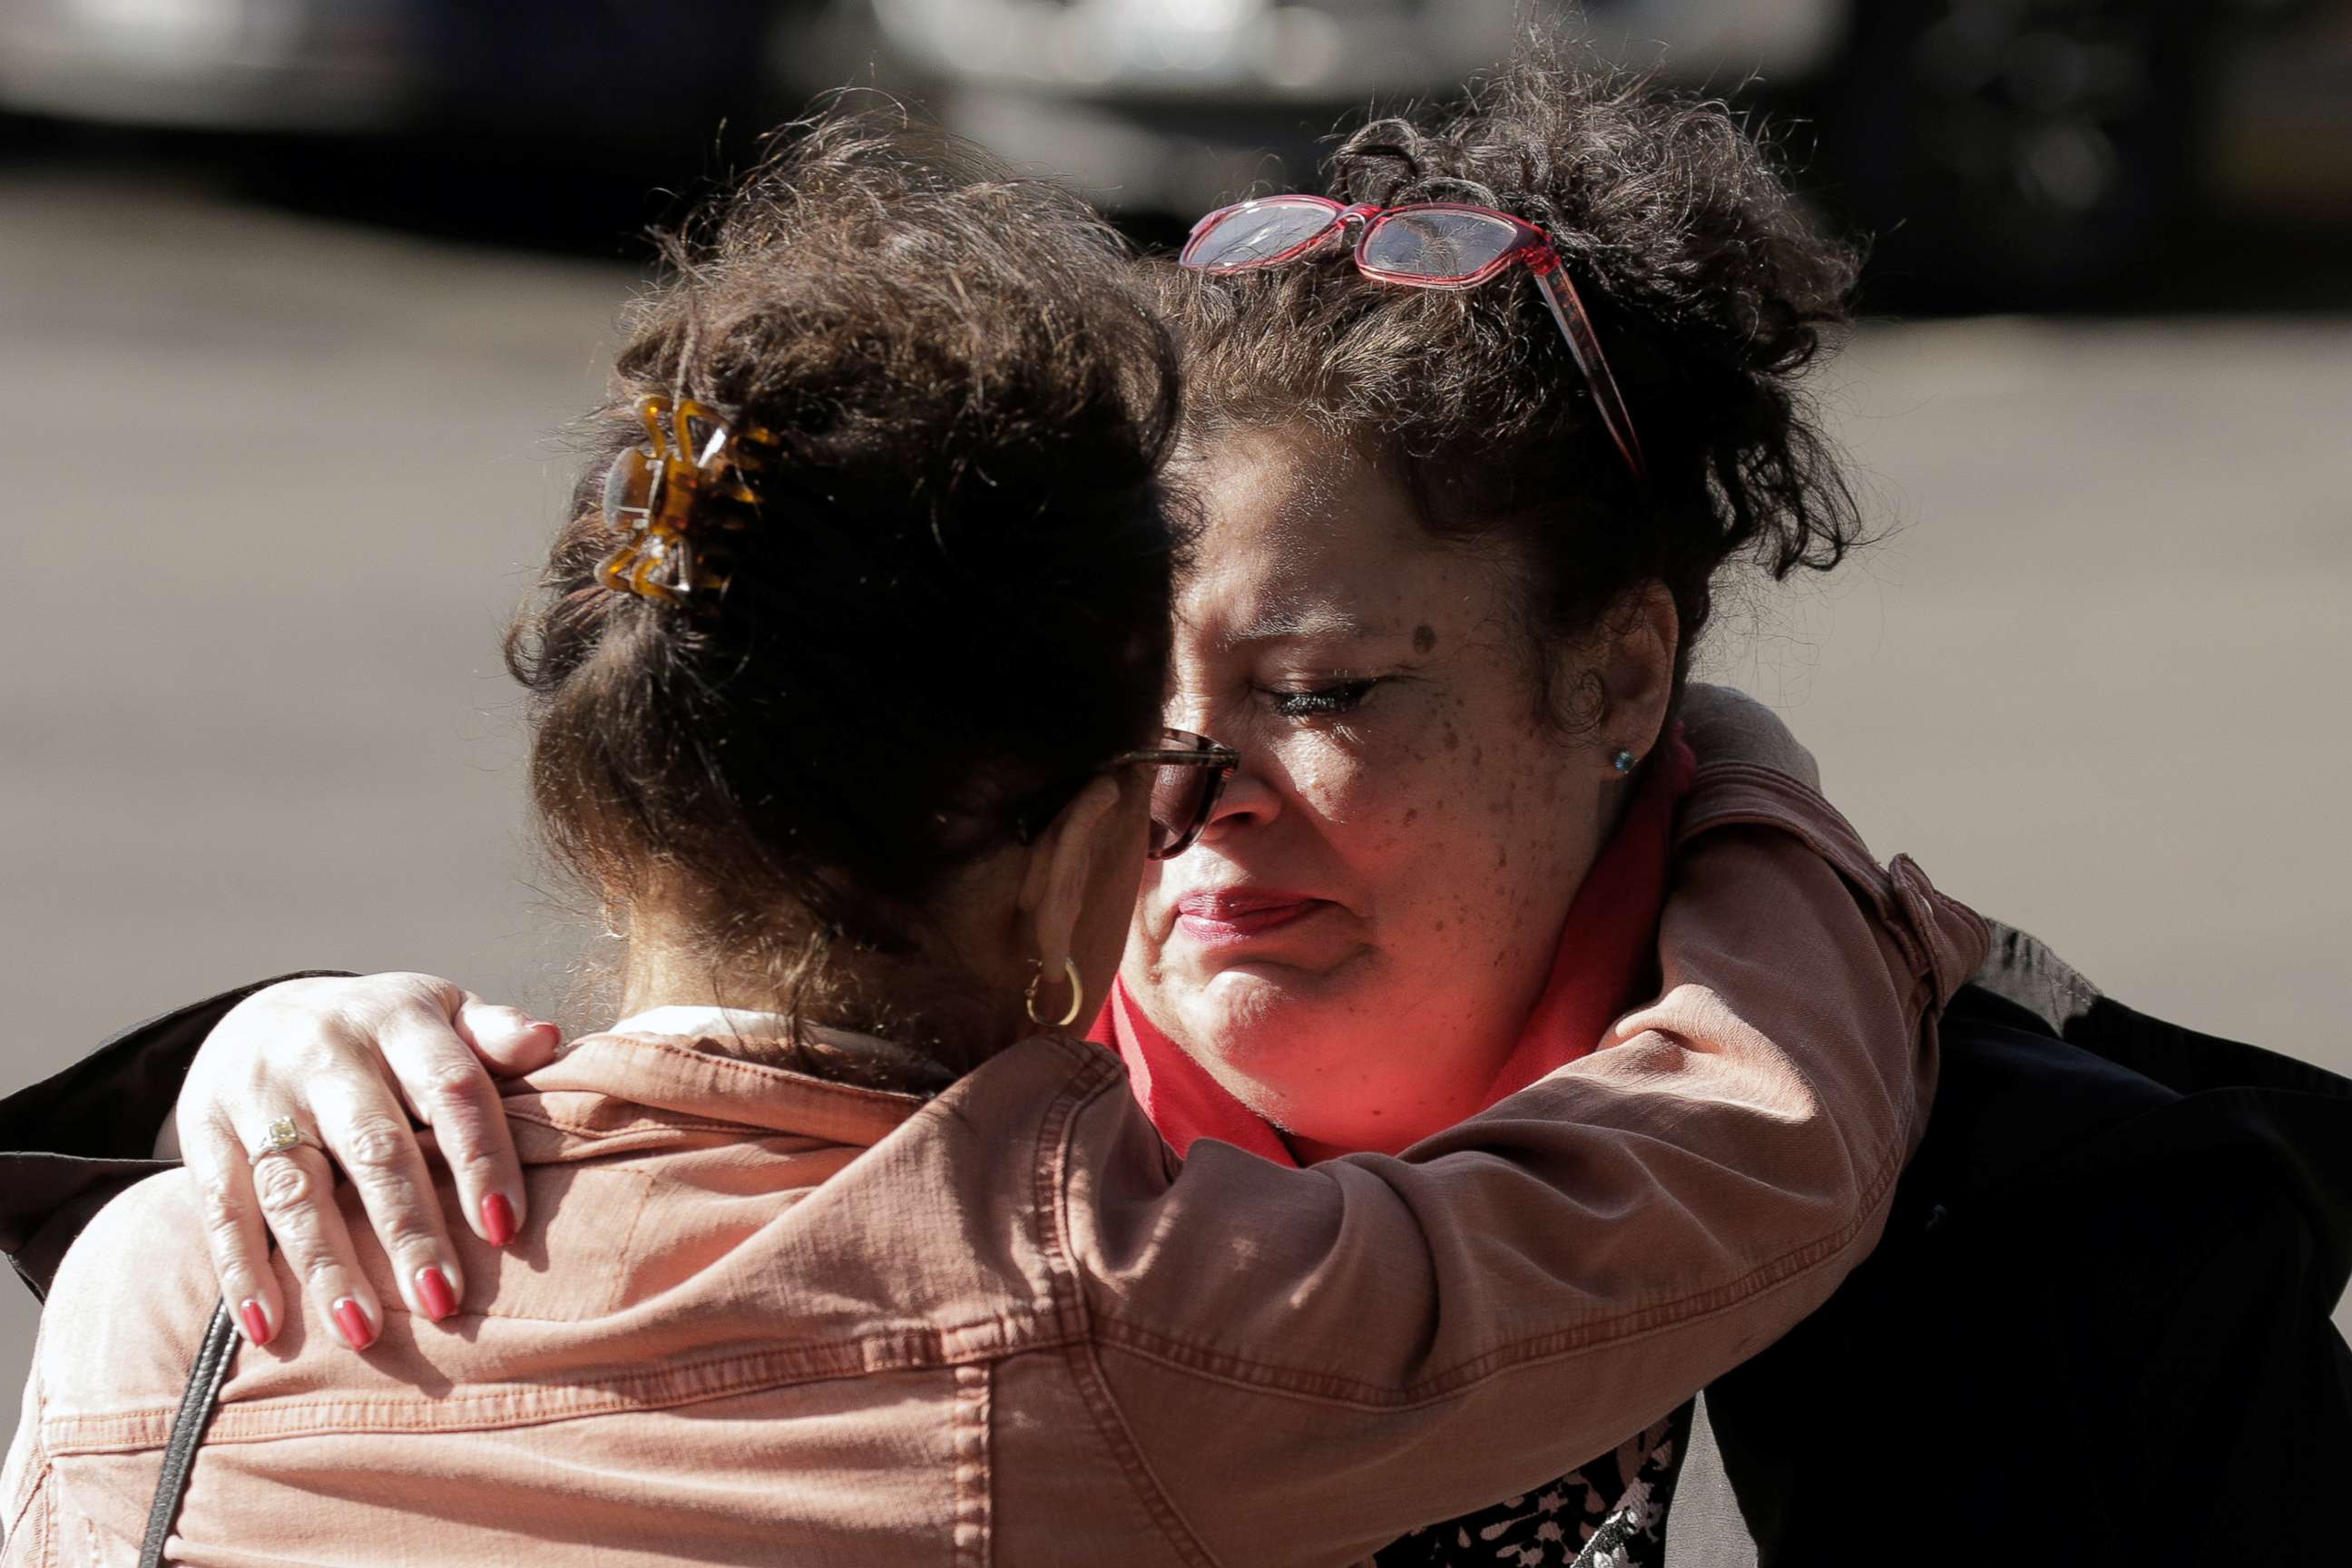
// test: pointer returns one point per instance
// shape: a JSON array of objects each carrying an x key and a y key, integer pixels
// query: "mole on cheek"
[{"x": 1423, "y": 639}]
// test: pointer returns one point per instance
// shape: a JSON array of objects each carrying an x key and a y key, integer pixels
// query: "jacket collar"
[{"x": 699, "y": 1064}]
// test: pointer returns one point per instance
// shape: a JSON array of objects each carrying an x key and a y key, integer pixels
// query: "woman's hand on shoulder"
[{"x": 353, "y": 1064}]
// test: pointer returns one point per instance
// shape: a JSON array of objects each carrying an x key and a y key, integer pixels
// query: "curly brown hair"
[
  {"x": 954, "y": 595},
  {"x": 1710, "y": 289}
]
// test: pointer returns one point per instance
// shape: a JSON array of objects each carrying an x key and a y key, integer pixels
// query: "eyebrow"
[{"x": 1298, "y": 626}]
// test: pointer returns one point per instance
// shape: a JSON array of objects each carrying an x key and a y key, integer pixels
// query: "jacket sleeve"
[
  {"x": 71, "y": 1141},
  {"x": 26, "y": 1527},
  {"x": 1342, "y": 1353}
]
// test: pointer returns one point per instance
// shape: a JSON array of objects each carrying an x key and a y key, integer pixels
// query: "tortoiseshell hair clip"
[{"x": 666, "y": 498}]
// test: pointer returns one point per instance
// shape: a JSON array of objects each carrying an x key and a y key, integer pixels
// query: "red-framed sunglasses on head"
[{"x": 1422, "y": 245}]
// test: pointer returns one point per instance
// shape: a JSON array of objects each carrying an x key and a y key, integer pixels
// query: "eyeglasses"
[
  {"x": 1191, "y": 778},
  {"x": 1422, "y": 245}
]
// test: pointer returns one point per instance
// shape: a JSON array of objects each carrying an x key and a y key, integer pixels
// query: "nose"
[
  {"x": 1253, "y": 794},
  {"x": 1250, "y": 799}
]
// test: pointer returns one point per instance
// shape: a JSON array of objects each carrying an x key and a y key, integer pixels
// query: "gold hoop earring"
[{"x": 1078, "y": 994}]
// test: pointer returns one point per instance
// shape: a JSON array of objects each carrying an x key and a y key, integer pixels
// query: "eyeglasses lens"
[
  {"x": 1436, "y": 246},
  {"x": 1257, "y": 235},
  {"x": 1178, "y": 790}
]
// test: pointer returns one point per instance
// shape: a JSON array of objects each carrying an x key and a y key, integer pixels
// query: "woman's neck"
[
  {"x": 673, "y": 994},
  {"x": 889, "y": 1007},
  {"x": 653, "y": 976}
]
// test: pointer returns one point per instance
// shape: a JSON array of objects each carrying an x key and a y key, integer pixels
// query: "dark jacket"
[
  {"x": 71, "y": 1141},
  {"x": 2097, "y": 1327},
  {"x": 2097, "y": 1330}
]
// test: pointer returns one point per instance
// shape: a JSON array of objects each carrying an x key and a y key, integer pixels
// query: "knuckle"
[
  {"x": 236, "y": 1272},
  {"x": 284, "y": 1188},
  {"x": 404, "y": 1238},
  {"x": 227, "y": 1243},
  {"x": 411, "y": 992},
  {"x": 226, "y": 1215},
  {"x": 452, "y": 1089},
  {"x": 504, "y": 1016},
  {"x": 289, "y": 1004},
  {"x": 328, "y": 1012},
  {"x": 322, "y": 1271},
  {"x": 474, "y": 1163},
  {"x": 375, "y": 1146}
]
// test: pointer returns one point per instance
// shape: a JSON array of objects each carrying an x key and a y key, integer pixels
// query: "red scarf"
[{"x": 1606, "y": 963}]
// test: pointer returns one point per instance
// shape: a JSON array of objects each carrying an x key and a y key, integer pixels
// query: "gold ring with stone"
[{"x": 282, "y": 1135}]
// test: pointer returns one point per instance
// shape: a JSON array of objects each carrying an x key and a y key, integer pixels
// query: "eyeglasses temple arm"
[{"x": 1559, "y": 294}]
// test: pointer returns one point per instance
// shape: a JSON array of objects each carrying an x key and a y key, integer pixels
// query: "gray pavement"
[{"x": 272, "y": 485}]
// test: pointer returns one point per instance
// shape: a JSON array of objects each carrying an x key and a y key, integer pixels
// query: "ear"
[
  {"x": 1061, "y": 870},
  {"x": 1641, "y": 637}
]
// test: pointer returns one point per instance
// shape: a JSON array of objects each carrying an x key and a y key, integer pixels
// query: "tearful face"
[{"x": 1355, "y": 941}]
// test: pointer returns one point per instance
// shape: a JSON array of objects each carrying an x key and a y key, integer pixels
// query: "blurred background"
[{"x": 295, "y": 297}]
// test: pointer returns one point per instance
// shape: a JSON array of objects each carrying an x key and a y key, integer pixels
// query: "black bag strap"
[{"x": 214, "y": 1359}]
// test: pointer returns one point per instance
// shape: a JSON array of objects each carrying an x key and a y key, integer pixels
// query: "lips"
[{"x": 1235, "y": 915}]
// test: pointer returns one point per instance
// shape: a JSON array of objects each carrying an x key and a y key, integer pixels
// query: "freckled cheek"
[
  {"x": 1441, "y": 803},
  {"x": 1489, "y": 848},
  {"x": 1374, "y": 803}
]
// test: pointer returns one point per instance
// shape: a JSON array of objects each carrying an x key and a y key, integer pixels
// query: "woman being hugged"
[
  {"x": 1477, "y": 423},
  {"x": 1478, "y": 428}
]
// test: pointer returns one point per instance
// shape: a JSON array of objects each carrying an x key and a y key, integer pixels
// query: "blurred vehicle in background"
[
  {"x": 537, "y": 121},
  {"x": 2001, "y": 152},
  {"x": 527, "y": 68},
  {"x": 2022, "y": 152}
]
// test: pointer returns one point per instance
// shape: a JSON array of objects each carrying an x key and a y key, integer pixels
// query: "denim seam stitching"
[
  {"x": 665, "y": 1045},
  {"x": 664, "y": 1124},
  {"x": 1099, "y": 1077},
  {"x": 970, "y": 1530},
  {"x": 1118, "y": 1435},
  {"x": 277, "y": 1419}
]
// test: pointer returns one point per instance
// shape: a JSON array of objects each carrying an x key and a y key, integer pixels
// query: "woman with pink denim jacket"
[{"x": 819, "y": 1254}]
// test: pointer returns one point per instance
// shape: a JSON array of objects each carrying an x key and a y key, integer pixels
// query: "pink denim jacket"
[{"x": 756, "y": 1317}]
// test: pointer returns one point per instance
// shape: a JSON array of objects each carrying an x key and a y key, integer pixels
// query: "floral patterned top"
[{"x": 1610, "y": 1513}]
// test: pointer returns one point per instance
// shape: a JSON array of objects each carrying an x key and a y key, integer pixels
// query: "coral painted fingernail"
[
  {"x": 433, "y": 1289},
  {"x": 358, "y": 1333},
  {"x": 497, "y": 1219},
  {"x": 257, "y": 1321}
]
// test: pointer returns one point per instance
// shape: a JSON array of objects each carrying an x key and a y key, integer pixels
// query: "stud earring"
[{"x": 1623, "y": 760}]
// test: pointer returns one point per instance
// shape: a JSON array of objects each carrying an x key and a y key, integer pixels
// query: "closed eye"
[{"x": 1320, "y": 701}]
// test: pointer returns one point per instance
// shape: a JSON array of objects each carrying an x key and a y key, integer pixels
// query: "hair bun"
[
  {"x": 1710, "y": 291},
  {"x": 960, "y": 406}
]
